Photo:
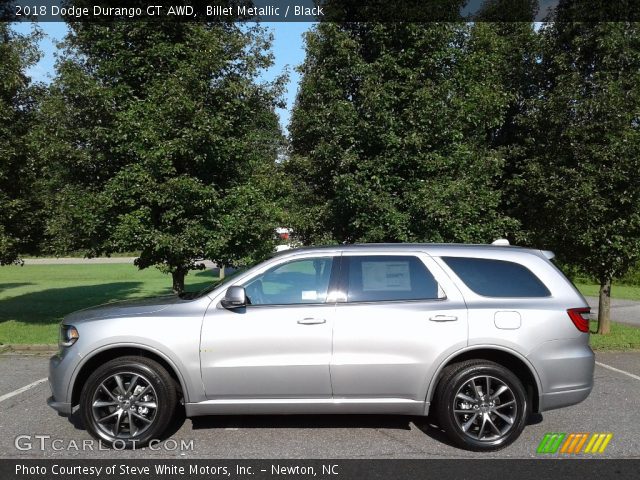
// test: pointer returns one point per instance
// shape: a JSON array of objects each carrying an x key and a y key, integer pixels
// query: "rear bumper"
[
  {"x": 551, "y": 401},
  {"x": 565, "y": 369}
]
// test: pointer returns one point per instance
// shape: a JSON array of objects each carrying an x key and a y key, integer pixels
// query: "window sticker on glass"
[
  {"x": 378, "y": 276},
  {"x": 309, "y": 295}
]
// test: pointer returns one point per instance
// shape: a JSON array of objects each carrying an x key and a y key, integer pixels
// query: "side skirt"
[{"x": 285, "y": 406}]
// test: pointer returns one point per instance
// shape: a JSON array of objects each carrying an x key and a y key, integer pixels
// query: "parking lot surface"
[{"x": 613, "y": 407}]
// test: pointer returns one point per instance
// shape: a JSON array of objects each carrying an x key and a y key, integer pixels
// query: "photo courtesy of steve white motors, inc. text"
[{"x": 161, "y": 469}]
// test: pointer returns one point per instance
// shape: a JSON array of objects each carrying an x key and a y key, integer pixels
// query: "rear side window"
[
  {"x": 385, "y": 278},
  {"x": 497, "y": 278}
]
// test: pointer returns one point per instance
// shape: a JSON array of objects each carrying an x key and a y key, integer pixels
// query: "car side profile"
[{"x": 477, "y": 337}]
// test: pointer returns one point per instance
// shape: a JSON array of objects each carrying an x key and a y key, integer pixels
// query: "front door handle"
[
  {"x": 311, "y": 321},
  {"x": 443, "y": 318}
]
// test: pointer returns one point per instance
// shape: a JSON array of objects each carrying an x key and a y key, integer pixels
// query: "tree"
[
  {"x": 163, "y": 142},
  {"x": 391, "y": 134},
  {"x": 19, "y": 207},
  {"x": 576, "y": 182}
]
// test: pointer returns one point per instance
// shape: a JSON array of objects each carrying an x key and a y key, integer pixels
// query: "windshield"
[
  {"x": 222, "y": 281},
  {"x": 213, "y": 286}
]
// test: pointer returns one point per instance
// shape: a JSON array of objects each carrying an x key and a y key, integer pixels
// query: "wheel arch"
[
  {"x": 110, "y": 352},
  {"x": 509, "y": 359}
]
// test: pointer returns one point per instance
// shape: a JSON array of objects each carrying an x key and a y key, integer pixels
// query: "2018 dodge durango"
[{"x": 478, "y": 337}]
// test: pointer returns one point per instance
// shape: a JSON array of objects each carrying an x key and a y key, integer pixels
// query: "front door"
[{"x": 279, "y": 346}]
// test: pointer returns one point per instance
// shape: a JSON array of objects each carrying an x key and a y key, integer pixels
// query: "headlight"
[{"x": 68, "y": 335}]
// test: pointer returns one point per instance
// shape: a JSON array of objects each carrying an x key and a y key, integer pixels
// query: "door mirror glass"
[{"x": 235, "y": 297}]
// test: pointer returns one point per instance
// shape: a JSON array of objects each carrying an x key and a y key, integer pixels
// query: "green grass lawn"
[
  {"x": 626, "y": 292},
  {"x": 622, "y": 337},
  {"x": 34, "y": 298}
]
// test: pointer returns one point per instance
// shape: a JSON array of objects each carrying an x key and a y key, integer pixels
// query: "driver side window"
[{"x": 296, "y": 282}]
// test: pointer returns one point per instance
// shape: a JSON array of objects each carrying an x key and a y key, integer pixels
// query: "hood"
[{"x": 126, "y": 308}]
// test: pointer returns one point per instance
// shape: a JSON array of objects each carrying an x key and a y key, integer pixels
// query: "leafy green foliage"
[
  {"x": 575, "y": 174},
  {"x": 19, "y": 217},
  {"x": 584, "y": 166},
  {"x": 162, "y": 135},
  {"x": 391, "y": 134}
]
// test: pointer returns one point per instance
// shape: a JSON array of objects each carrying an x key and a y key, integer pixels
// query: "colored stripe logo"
[
  {"x": 550, "y": 442},
  {"x": 574, "y": 443}
]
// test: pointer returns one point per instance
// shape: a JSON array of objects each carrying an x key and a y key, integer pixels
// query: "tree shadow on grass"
[
  {"x": 208, "y": 273},
  {"x": 213, "y": 273},
  {"x": 9, "y": 286},
  {"x": 49, "y": 306},
  {"x": 196, "y": 287},
  {"x": 206, "y": 277}
]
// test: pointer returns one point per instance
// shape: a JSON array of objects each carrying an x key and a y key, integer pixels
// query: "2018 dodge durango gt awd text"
[{"x": 480, "y": 336}]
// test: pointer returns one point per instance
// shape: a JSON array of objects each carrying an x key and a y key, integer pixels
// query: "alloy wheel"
[
  {"x": 485, "y": 408},
  {"x": 124, "y": 405}
]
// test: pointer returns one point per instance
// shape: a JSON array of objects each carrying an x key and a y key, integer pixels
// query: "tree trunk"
[
  {"x": 178, "y": 280},
  {"x": 604, "y": 307}
]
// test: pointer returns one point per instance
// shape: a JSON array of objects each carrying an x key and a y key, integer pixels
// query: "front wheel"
[
  {"x": 128, "y": 402},
  {"x": 481, "y": 405}
]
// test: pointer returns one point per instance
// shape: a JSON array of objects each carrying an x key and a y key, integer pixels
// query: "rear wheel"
[
  {"x": 128, "y": 401},
  {"x": 481, "y": 405}
]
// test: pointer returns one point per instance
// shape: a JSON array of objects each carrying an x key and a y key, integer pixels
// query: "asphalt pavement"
[
  {"x": 622, "y": 311},
  {"x": 613, "y": 407}
]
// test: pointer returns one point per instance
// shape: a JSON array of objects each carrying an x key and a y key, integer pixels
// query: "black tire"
[
  {"x": 459, "y": 405},
  {"x": 142, "y": 410}
]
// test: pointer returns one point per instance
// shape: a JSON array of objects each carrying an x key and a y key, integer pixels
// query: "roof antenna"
[{"x": 501, "y": 242}]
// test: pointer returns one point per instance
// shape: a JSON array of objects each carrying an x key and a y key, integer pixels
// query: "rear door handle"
[
  {"x": 443, "y": 318},
  {"x": 311, "y": 321}
]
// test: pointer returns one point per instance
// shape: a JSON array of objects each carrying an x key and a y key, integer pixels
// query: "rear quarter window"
[{"x": 497, "y": 278}]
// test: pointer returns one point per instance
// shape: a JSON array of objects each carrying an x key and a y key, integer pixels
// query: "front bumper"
[
  {"x": 63, "y": 408},
  {"x": 61, "y": 366}
]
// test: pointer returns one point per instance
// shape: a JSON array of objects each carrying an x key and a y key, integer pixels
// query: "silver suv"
[{"x": 481, "y": 336}]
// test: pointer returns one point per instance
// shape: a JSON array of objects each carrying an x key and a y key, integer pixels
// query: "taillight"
[{"x": 580, "y": 318}]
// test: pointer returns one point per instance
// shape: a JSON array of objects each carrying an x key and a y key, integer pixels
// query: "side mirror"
[{"x": 235, "y": 297}]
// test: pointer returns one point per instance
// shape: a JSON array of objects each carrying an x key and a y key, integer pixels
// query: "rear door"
[{"x": 400, "y": 316}]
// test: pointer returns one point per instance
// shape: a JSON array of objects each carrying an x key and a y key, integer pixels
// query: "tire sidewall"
[
  {"x": 447, "y": 417},
  {"x": 163, "y": 414}
]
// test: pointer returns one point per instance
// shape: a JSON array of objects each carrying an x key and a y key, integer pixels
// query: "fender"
[
  {"x": 433, "y": 381},
  {"x": 110, "y": 346}
]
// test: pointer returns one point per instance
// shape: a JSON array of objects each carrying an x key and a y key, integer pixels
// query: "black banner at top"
[{"x": 320, "y": 10}]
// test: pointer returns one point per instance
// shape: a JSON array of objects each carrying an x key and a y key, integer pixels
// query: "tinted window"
[
  {"x": 299, "y": 281},
  {"x": 383, "y": 278},
  {"x": 497, "y": 278}
]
